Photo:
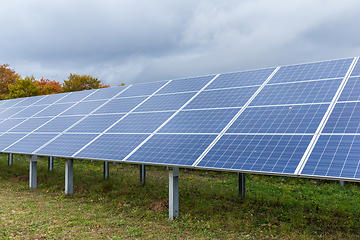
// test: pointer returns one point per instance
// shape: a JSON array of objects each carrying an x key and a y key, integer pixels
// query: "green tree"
[
  {"x": 7, "y": 76},
  {"x": 26, "y": 87},
  {"x": 76, "y": 82}
]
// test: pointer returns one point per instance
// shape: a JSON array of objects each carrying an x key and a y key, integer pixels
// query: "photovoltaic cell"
[
  {"x": 184, "y": 85},
  {"x": 297, "y": 93},
  {"x": 66, "y": 145},
  {"x": 165, "y": 102},
  {"x": 59, "y": 124},
  {"x": 335, "y": 156},
  {"x": 76, "y": 96},
  {"x": 9, "y": 112},
  {"x": 54, "y": 110},
  {"x": 356, "y": 70},
  {"x": 121, "y": 105},
  {"x": 9, "y": 138},
  {"x": 30, "y": 100},
  {"x": 30, "y": 125},
  {"x": 351, "y": 91},
  {"x": 312, "y": 71},
  {"x": 345, "y": 118},
  {"x": 50, "y": 99},
  {"x": 28, "y": 112},
  {"x": 280, "y": 119},
  {"x": 106, "y": 93},
  {"x": 236, "y": 97},
  {"x": 257, "y": 153},
  {"x": 240, "y": 79},
  {"x": 11, "y": 102},
  {"x": 141, "y": 122},
  {"x": 96, "y": 123},
  {"x": 143, "y": 89},
  {"x": 9, "y": 123},
  {"x": 200, "y": 121},
  {"x": 30, "y": 143},
  {"x": 83, "y": 108},
  {"x": 172, "y": 149},
  {"x": 112, "y": 146}
]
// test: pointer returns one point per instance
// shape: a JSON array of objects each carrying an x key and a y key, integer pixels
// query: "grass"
[{"x": 119, "y": 208}]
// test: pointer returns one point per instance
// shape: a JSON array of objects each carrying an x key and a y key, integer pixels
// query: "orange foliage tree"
[
  {"x": 7, "y": 76},
  {"x": 48, "y": 87}
]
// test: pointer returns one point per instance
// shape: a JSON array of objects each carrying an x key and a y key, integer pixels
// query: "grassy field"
[{"x": 119, "y": 208}]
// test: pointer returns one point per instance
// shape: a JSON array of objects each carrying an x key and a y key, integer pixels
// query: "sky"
[{"x": 136, "y": 41}]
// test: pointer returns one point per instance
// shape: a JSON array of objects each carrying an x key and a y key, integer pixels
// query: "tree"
[
  {"x": 77, "y": 82},
  {"x": 7, "y": 76},
  {"x": 48, "y": 87},
  {"x": 26, "y": 87}
]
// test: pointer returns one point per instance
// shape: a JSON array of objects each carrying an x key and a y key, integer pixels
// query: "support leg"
[
  {"x": 10, "y": 159},
  {"x": 33, "y": 172},
  {"x": 173, "y": 192},
  {"x": 69, "y": 177},
  {"x": 51, "y": 163},
  {"x": 106, "y": 170},
  {"x": 142, "y": 174},
  {"x": 242, "y": 188},
  {"x": 342, "y": 183}
]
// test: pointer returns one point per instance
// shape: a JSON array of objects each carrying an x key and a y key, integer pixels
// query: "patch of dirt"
[
  {"x": 20, "y": 179},
  {"x": 159, "y": 206},
  {"x": 123, "y": 204}
]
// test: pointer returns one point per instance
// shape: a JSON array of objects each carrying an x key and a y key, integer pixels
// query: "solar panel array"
[{"x": 299, "y": 120}]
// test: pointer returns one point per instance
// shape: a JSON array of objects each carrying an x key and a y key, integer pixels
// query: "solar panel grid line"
[
  {"x": 18, "y": 102},
  {"x": 344, "y": 163},
  {"x": 315, "y": 138},
  {"x": 228, "y": 88},
  {"x": 24, "y": 107},
  {"x": 234, "y": 118},
  {"x": 46, "y": 121},
  {"x": 303, "y": 81},
  {"x": 288, "y": 105},
  {"x": 24, "y": 120},
  {"x": 171, "y": 117},
  {"x": 119, "y": 120}
]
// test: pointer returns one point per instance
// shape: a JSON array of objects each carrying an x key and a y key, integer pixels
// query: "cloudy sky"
[{"x": 135, "y": 41}]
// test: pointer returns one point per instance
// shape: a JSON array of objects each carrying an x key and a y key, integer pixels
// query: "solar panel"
[{"x": 293, "y": 120}]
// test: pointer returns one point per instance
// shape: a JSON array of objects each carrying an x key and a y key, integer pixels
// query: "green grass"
[{"x": 119, "y": 208}]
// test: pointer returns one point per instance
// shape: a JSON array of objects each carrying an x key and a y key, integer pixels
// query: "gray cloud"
[{"x": 140, "y": 41}]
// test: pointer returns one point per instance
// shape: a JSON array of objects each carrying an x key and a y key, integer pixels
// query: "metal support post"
[
  {"x": 342, "y": 182},
  {"x": 10, "y": 159},
  {"x": 106, "y": 170},
  {"x": 173, "y": 192},
  {"x": 142, "y": 174},
  {"x": 69, "y": 176},
  {"x": 51, "y": 163},
  {"x": 242, "y": 188},
  {"x": 33, "y": 172}
]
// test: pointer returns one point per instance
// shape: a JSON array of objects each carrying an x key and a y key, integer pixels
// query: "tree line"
[{"x": 12, "y": 85}]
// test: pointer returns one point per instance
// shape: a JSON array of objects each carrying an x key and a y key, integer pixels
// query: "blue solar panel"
[
  {"x": 335, "y": 156},
  {"x": 122, "y": 105},
  {"x": 235, "y": 97},
  {"x": 106, "y": 93},
  {"x": 143, "y": 89},
  {"x": 184, "y": 85},
  {"x": 54, "y": 110},
  {"x": 297, "y": 93},
  {"x": 59, "y": 124},
  {"x": 351, "y": 91},
  {"x": 49, "y": 99},
  {"x": 30, "y": 143},
  {"x": 280, "y": 119},
  {"x": 356, "y": 70},
  {"x": 9, "y": 112},
  {"x": 112, "y": 146},
  {"x": 9, "y": 123},
  {"x": 141, "y": 122},
  {"x": 96, "y": 123},
  {"x": 345, "y": 118},
  {"x": 83, "y": 108},
  {"x": 312, "y": 71},
  {"x": 11, "y": 102},
  {"x": 30, "y": 125},
  {"x": 30, "y": 100},
  {"x": 200, "y": 121},
  {"x": 9, "y": 138},
  {"x": 66, "y": 145},
  {"x": 165, "y": 102},
  {"x": 28, "y": 112},
  {"x": 171, "y": 149},
  {"x": 76, "y": 96},
  {"x": 257, "y": 153},
  {"x": 240, "y": 79}
]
